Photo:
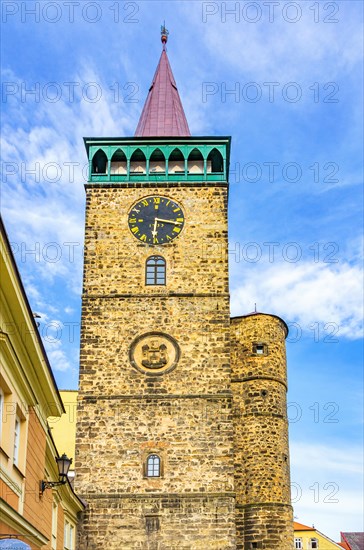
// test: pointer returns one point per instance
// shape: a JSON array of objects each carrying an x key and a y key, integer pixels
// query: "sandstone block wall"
[{"x": 184, "y": 415}]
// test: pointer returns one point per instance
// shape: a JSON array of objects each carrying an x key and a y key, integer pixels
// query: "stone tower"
[
  {"x": 163, "y": 415},
  {"x": 262, "y": 477}
]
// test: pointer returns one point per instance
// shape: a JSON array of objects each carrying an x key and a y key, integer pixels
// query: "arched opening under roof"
[
  {"x": 195, "y": 162},
  {"x": 138, "y": 162},
  {"x": 99, "y": 162},
  {"x": 157, "y": 162},
  {"x": 215, "y": 162},
  {"x": 176, "y": 162},
  {"x": 118, "y": 163}
]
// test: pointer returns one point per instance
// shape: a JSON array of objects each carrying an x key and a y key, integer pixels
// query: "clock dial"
[{"x": 156, "y": 220}]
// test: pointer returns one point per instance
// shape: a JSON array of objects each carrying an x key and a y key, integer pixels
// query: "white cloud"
[
  {"x": 59, "y": 361},
  {"x": 280, "y": 50},
  {"x": 304, "y": 293},
  {"x": 325, "y": 458},
  {"x": 56, "y": 336},
  {"x": 43, "y": 196}
]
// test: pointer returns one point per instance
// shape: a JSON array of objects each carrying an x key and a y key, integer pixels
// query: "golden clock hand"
[
  {"x": 154, "y": 231},
  {"x": 168, "y": 221}
]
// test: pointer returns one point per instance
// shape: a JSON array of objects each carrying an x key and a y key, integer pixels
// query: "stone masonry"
[
  {"x": 183, "y": 416},
  {"x": 182, "y": 433},
  {"x": 218, "y": 420}
]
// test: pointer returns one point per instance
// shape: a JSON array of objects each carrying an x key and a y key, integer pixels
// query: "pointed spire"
[{"x": 163, "y": 113}]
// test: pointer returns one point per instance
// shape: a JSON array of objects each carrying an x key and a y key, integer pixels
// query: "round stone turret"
[{"x": 262, "y": 480}]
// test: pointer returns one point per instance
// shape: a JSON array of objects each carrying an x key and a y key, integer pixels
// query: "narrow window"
[
  {"x": 298, "y": 544},
  {"x": 99, "y": 162},
  {"x": 152, "y": 523},
  {"x": 66, "y": 535},
  {"x": 16, "y": 441},
  {"x": 153, "y": 466},
  {"x": 54, "y": 525},
  {"x": 155, "y": 271},
  {"x": 72, "y": 538},
  {"x": 314, "y": 543}
]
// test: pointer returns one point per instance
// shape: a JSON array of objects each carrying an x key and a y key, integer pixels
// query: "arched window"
[
  {"x": 155, "y": 271},
  {"x": 195, "y": 162},
  {"x": 138, "y": 162},
  {"x": 157, "y": 162},
  {"x": 153, "y": 466},
  {"x": 176, "y": 162},
  {"x": 99, "y": 162},
  {"x": 118, "y": 162},
  {"x": 215, "y": 162}
]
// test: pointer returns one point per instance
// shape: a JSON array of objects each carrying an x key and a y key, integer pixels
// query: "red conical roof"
[{"x": 163, "y": 113}]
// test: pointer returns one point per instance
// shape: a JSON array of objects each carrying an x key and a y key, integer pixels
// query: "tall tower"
[
  {"x": 182, "y": 439},
  {"x": 155, "y": 435}
]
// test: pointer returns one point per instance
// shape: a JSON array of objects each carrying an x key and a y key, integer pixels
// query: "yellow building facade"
[
  {"x": 28, "y": 397},
  {"x": 309, "y": 538}
]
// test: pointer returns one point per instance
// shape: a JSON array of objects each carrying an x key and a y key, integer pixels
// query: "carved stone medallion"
[{"x": 154, "y": 353}]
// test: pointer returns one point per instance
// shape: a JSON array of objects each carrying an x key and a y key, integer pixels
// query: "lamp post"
[{"x": 63, "y": 464}]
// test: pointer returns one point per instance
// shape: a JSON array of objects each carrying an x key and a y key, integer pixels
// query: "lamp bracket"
[{"x": 43, "y": 485}]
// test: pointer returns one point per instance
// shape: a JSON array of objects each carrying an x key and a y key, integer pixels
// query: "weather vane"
[{"x": 164, "y": 35}]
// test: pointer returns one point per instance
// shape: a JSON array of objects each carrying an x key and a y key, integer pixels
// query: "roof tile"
[{"x": 163, "y": 113}]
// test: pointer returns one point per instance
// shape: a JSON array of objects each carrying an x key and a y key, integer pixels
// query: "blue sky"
[{"x": 284, "y": 79}]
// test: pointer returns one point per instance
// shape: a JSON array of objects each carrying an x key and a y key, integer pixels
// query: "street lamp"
[{"x": 63, "y": 464}]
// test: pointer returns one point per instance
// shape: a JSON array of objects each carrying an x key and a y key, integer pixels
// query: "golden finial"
[{"x": 164, "y": 34}]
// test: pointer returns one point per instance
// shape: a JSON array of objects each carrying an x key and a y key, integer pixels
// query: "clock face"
[{"x": 156, "y": 220}]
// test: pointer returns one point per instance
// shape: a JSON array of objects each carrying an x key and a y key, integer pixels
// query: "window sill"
[
  {"x": 18, "y": 471},
  {"x": 4, "y": 453}
]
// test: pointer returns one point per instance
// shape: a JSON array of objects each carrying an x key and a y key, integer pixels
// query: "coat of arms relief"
[{"x": 154, "y": 353}]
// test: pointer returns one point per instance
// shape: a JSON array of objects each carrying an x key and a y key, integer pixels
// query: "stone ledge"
[
  {"x": 264, "y": 505},
  {"x": 164, "y": 295},
  {"x": 275, "y": 415},
  {"x": 161, "y": 396},
  {"x": 169, "y": 496},
  {"x": 249, "y": 378}
]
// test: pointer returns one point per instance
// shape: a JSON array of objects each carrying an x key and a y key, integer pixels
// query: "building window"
[
  {"x": 155, "y": 271},
  {"x": 54, "y": 525},
  {"x": 298, "y": 544},
  {"x": 152, "y": 524},
  {"x": 314, "y": 543},
  {"x": 69, "y": 536},
  {"x": 260, "y": 349},
  {"x": 16, "y": 441},
  {"x": 153, "y": 466}
]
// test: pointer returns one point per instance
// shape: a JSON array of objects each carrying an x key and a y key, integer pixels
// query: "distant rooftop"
[{"x": 355, "y": 541}]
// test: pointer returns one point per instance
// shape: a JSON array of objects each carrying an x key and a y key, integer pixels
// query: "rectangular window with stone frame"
[{"x": 259, "y": 348}]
